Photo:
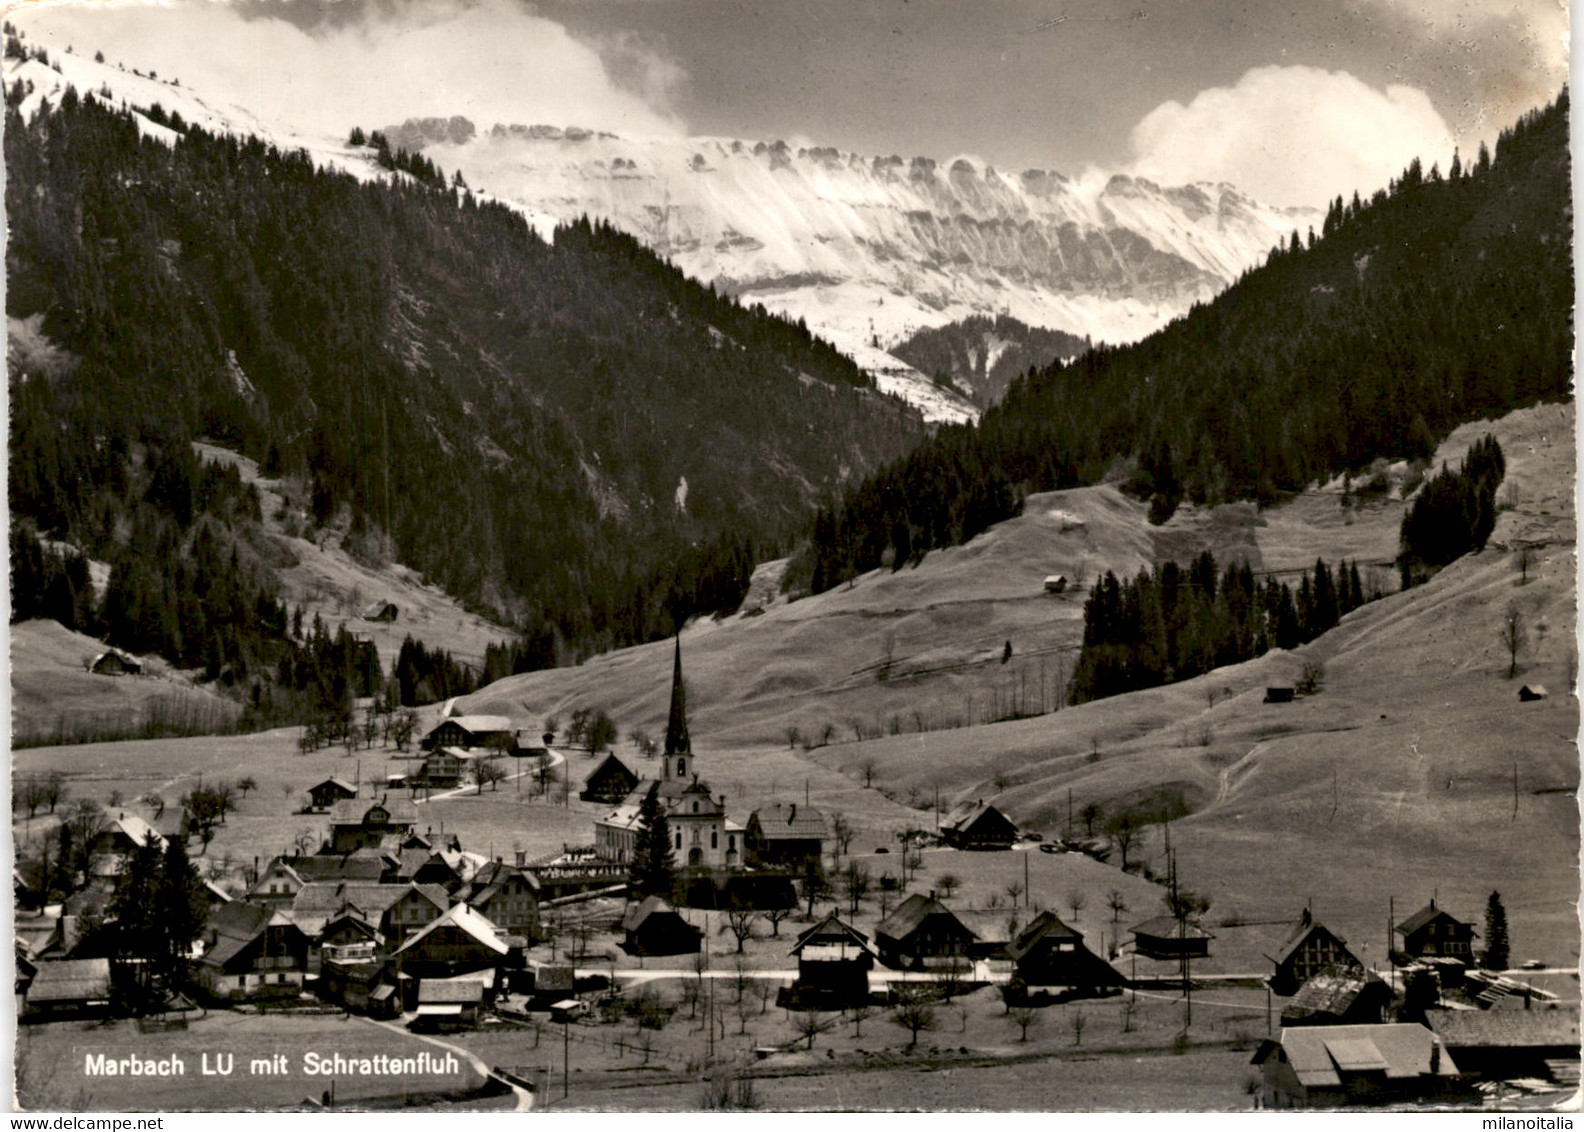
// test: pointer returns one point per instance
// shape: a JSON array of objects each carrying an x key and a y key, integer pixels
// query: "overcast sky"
[{"x": 1294, "y": 100}]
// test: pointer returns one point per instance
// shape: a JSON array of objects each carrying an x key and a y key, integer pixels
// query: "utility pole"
[
  {"x": 1025, "y": 879},
  {"x": 566, "y": 1056}
]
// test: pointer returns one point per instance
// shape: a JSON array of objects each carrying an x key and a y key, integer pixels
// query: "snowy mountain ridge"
[{"x": 866, "y": 250}]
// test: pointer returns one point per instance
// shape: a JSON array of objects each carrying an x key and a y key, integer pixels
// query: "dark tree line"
[
  {"x": 1454, "y": 513},
  {"x": 514, "y": 416},
  {"x": 1172, "y": 623},
  {"x": 425, "y": 675},
  {"x": 1442, "y": 300}
]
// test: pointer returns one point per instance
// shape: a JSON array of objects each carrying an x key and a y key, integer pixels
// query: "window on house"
[{"x": 713, "y": 840}]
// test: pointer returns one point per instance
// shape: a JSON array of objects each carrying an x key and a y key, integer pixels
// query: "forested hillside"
[
  {"x": 981, "y": 356},
  {"x": 1445, "y": 299},
  {"x": 569, "y": 435}
]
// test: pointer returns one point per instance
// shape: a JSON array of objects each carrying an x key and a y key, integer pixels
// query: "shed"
[
  {"x": 1338, "y": 996},
  {"x": 653, "y": 927},
  {"x": 1533, "y": 692},
  {"x": 114, "y": 662},
  {"x": 1279, "y": 695},
  {"x": 449, "y": 1002},
  {"x": 1055, "y": 583},
  {"x": 68, "y": 987},
  {"x": 381, "y": 611},
  {"x": 1333, "y": 1066},
  {"x": 1165, "y": 937},
  {"x": 1503, "y": 1044}
]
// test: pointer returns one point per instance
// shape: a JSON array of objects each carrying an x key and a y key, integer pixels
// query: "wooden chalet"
[
  {"x": 1280, "y": 694},
  {"x": 449, "y": 1004},
  {"x": 1542, "y": 1042},
  {"x": 653, "y": 927},
  {"x": 469, "y": 731},
  {"x": 1339, "y": 996},
  {"x": 252, "y": 951},
  {"x": 977, "y": 825},
  {"x": 1433, "y": 931},
  {"x": 507, "y": 895},
  {"x": 461, "y": 940},
  {"x": 786, "y": 836},
  {"x": 443, "y": 768},
  {"x": 922, "y": 932},
  {"x": 1055, "y": 583},
  {"x": 356, "y": 824},
  {"x": 349, "y": 938},
  {"x": 1309, "y": 949},
  {"x": 327, "y": 793},
  {"x": 114, "y": 662},
  {"x": 834, "y": 961},
  {"x": 1048, "y": 953},
  {"x": 609, "y": 782},
  {"x": 68, "y": 988},
  {"x": 1337, "y": 1066},
  {"x": 1165, "y": 937},
  {"x": 124, "y": 833}
]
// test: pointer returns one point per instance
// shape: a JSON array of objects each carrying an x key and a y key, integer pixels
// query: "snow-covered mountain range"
[
  {"x": 866, "y": 249},
  {"x": 870, "y": 249}
]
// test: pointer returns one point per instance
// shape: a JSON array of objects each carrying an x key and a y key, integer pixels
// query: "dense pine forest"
[
  {"x": 568, "y": 435},
  {"x": 1444, "y": 299},
  {"x": 1174, "y": 623},
  {"x": 984, "y": 354}
]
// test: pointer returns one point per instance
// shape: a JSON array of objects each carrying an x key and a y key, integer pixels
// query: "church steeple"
[{"x": 677, "y": 741}]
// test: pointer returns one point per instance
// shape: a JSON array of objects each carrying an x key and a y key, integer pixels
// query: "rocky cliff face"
[{"x": 870, "y": 249}]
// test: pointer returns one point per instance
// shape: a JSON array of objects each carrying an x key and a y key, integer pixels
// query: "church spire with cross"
[{"x": 678, "y": 745}]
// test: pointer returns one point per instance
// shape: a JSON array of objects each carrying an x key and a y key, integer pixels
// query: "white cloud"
[
  {"x": 1292, "y": 135},
  {"x": 489, "y": 61}
]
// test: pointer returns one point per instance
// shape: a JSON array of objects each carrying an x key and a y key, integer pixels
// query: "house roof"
[
  {"x": 1319, "y": 1055},
  {"x": 359, "y": 866},
  {"x": 1332, "y": 991},
  {"x": 351, "y": 811},
  {"x": 341, "y": 782},
  {"x": 965, "y": 815},
  {"x": 831, "y": 931},
  {"x": 492, "y": 877},
  {"x": 790, "y": 823},
  {"x": 70, "y": 980},
  {"x": 990, "y": 926},
  {"x": 447, "y": 991},
  {"x": 472, "y": 923},
  {"x": 1305, "y": 927},
  {"x": 134, "y": 827},
  {"x": 610, "y": 764},
  {"x": 1047, "y": 925},
  {"x": 624, "y": 816},
  {"x": 1507, "y": 1029},
  {"x": 911, "y": 913},
  {"x": 1168, "y": 927},
  {"x": 637, "y": 914},
  {"x": 318, "y": 903},
  {"x": 235, "y": 925},
  {"x": 1429, "y": 912},
  {"x": 478, "y": 724},
  {"x": 125, "y": 658}
]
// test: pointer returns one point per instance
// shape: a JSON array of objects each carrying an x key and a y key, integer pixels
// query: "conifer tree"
[
  {"x": 653, "y": 869},
  {"x": 1498, "y": 953},
  {"x": 182, "y": 908}
]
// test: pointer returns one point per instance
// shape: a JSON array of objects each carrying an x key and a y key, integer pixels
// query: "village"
[{"x": 965, "y": 941}]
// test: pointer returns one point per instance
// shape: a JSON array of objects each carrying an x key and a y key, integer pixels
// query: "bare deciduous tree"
[
  {"x": 1023, "y": 1017},
  {"x": 1514, "y": 635}
]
